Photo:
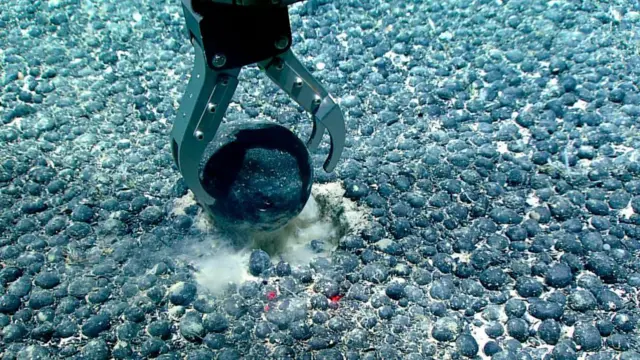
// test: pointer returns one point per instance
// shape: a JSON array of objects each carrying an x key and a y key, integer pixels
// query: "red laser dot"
[
  {"x": 271, "y": 295},
  {"x": 336, "y": 298},
  {"x": 266, "y": 308}
]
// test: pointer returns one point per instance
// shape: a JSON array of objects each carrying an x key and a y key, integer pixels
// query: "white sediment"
[{"x": 502, "y": 147}]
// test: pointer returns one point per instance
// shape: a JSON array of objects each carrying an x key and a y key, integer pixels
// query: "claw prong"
[
  {"x": 316, "y": 136},
  {"x": 203, "y": 106},
  {"x": 290, "y": 75}
]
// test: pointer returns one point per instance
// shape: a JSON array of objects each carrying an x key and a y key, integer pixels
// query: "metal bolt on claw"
[
  {"x": 279, "y": 64},
  {"x": 218, "y": 60},
  {"x": 282, "y": 43}
]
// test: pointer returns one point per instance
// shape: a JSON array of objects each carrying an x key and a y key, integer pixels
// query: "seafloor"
[{"x": 492, "y": 145}]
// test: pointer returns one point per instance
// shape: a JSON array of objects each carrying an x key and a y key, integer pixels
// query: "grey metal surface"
[
  {"x": 292, "y": 77},
  {"x": 202, "y": 108}
]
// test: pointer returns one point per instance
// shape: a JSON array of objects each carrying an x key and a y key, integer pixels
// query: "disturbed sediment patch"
[{"x": 327, "y": 217}]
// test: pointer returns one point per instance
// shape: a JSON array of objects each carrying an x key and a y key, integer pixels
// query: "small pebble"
[
  {"x": 182, "y": 293},
  {"x": 95, "y": 325},
  {"x": 467, "y": 345},
  {"x": 191, "y": 327},
  {"x": 446, "y": 329},
  {"x": 259, "y": 261}
]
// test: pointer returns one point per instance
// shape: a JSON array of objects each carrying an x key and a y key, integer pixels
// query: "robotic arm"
[{"x": 221, "y": 50}]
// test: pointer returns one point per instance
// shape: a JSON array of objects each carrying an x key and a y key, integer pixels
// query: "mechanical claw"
[{"x": 220, "y": 55}]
